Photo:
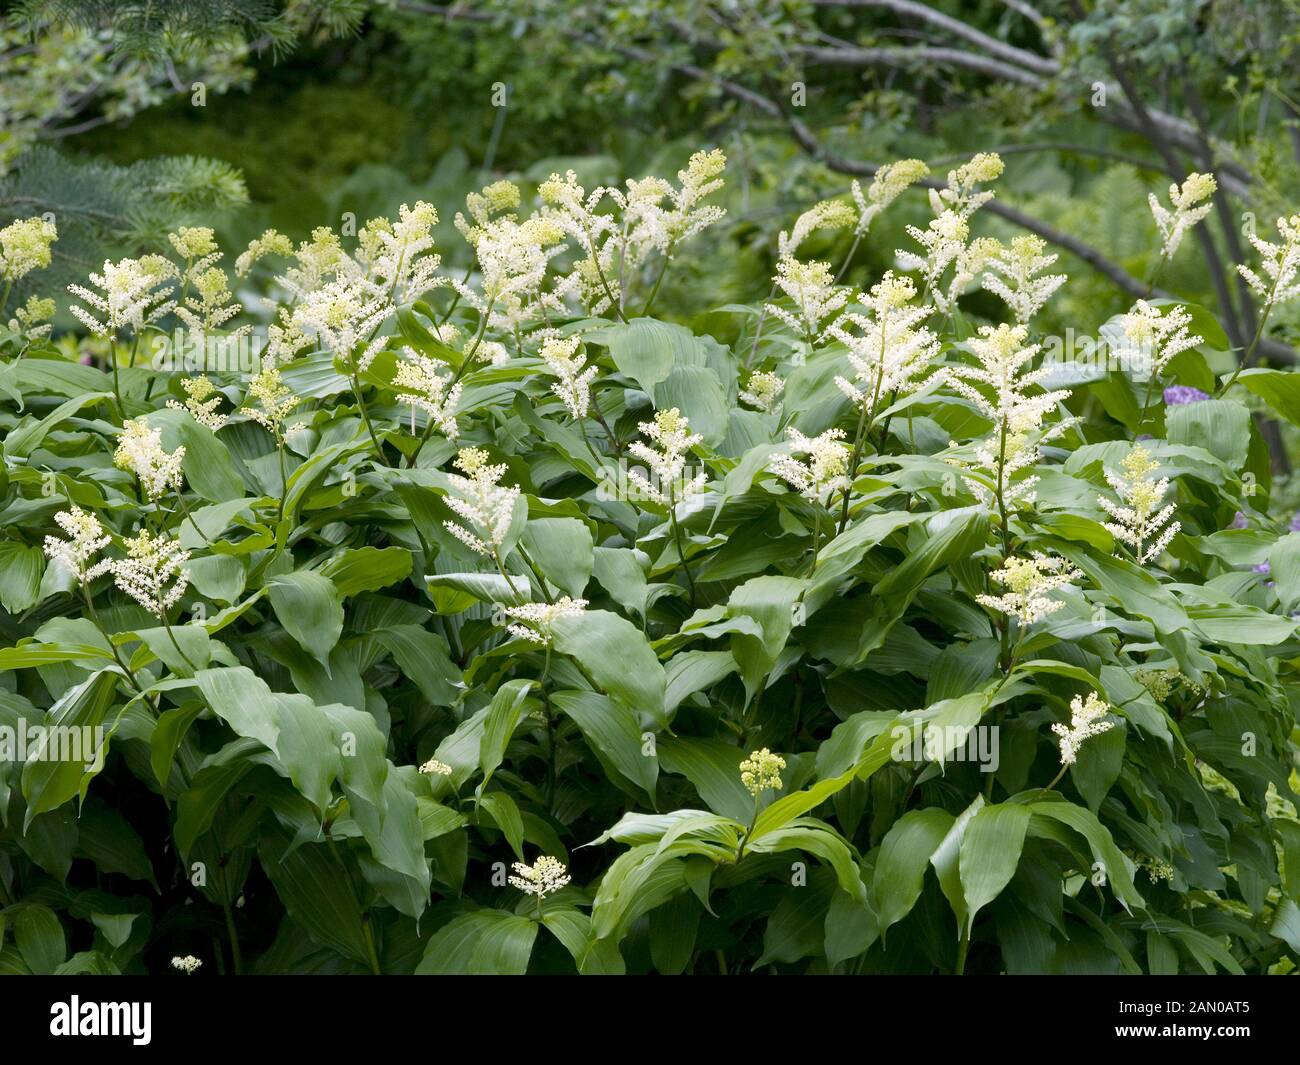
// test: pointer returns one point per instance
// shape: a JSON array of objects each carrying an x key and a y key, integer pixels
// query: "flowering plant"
[{"x": 364, "y": 632}]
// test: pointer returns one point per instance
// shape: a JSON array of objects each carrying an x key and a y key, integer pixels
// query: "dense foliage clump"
[{"x": 408, "y": 619}]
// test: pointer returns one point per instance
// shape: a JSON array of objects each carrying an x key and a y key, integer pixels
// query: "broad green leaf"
[
  {"x": 618, "y": 658},
  {"x": 904, "y": 857},
  {"x": 309, "y": 607},
  {"x": 481, "y": 943},
  {"x": 990, "y": 852}
]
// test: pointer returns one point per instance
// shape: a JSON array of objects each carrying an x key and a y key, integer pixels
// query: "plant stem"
[
  {"x": 1250, "y": 351},
  {"x": 681, "y": 550},
  {"x": 284, "y": 482},
  {"x": 234, "y": 939},
  {"x": 185, "y": 510},
  {"x": 365, "y": 418},
  {"x": 658, "y": 281}
]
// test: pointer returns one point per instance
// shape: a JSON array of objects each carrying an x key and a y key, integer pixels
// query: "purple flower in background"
[
  {"x": 1177, "y": 395},
  {"x": 1238, "y": 521},
  {"x": 1295, "y": 521},
  {"x": 1262, "y": 567}
]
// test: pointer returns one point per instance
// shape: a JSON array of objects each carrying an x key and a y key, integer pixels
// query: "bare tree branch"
[
  {"x": 909, "y": 57},
  {"x": 957, "y": 28}
]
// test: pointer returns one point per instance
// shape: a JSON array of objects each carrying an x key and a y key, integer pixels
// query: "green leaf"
[
  {"x": 990, "y": 853},
  {"x": 21, "y": 569},
  {"x": 316, "y": 888},
  {"x": 1220, "y": 426},
  {"x": 207, "y": 463},
  {"x": 482, "y": 943},
  {"x": 309, "y": 607},
  {"x": 39, "y": 938},
  {"x": 714, "y": 768},
  {"x": 904, "y": 857},
  {"x": 367, "y": 569},
  {"x": 1114, "y": 864},
  {"x": 616, "y": 654},
  {"x": 424, "y": 657},
  {"x": 74, "y": 746},
  {"x": 611, "y": 730},
  {"x": 646, "y": 350},
  {"x": 1280, "y": 389},
  {"x": 562, "y": 549},
  {"x": 504, "y": 713}
]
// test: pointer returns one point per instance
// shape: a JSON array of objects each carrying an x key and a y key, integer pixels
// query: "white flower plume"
[
  {"x": 824, "y": 471},
  {"x": 140, "y": 451},
  {"x": 420, "y": 382},
  {"x": 1014, "y": 277},
  {"x": 1003, "y": 388},
  {"x": 486, "y": 506},
  {"x": 1027, "y": 582},
  {"x": 537, "y": 618},
  {"x": 153, "y": 573},
  {"x": 1085, "y": 722},
  {"x": 573, "y": 386},
  {"x": 1279, "y": 262},
  {"x": 812, "y": 289},
  {"x": 86, "y": 539},
  {"x": 1152, "y": 339},
  {"x": 1187, "y": 206},
  {"x": 670, "y": 432},
  {"x": 544, "y": 877},
  {"x": 1140, "y": 519},
  {"x": 888, "y": 352}
]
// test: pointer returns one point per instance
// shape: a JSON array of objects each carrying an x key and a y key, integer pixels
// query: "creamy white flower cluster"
[
  {"x": 205, "y": 302},
  {"x": 86, "y": 539},
  {"x": 761, "y": 772},
  {"x": 829, "y": 214},
  {"x": 188, "y": 964},
  {"x": 811, "y": 287},
  {"x": 1027, "y": 582},
  {"x": 435, "y": 768},
  {"x": 399, "y": 254},
  {"x": 823, "y": 474},
  {"x": 1004, "y": 396},
  {"x": 890, "y": 182},
  {"x": 420, "y": 382},
  {"x": 671, "y": 435},
  {"x": 1085, "y": 722},
  {"x": 153, "y": 572},
  {"x": 763, "y": 390},
  {"x": 274, "y": 401},
  {"x": 513, "y": 257},
  {"x": 651, "y": 215},
  {"x": 1014, "y": 276},
  {"x": 25, "y": 246},
  {"x": 486, "y": 506},
  {"x": 1153, "y": 338},
  {"x": 131, "y": 293},
  {"x": 544, "y": 877},
  {"x": 140, "y": 451},
  {"x": 659, "y": 216},
  {"x": 1140, "y": 519},
  {"x": 1279, "y": 262},
  {"x": 1187, "y": 206},
  {"x": 201, "y": 401},
  {"x": 537, "y": 618},
  {"x": 944, "y": 240},
  {"x": 28, "y": 317},
  {"x": 573, "y": 386},
  {"x": 889, "y": 351}
]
